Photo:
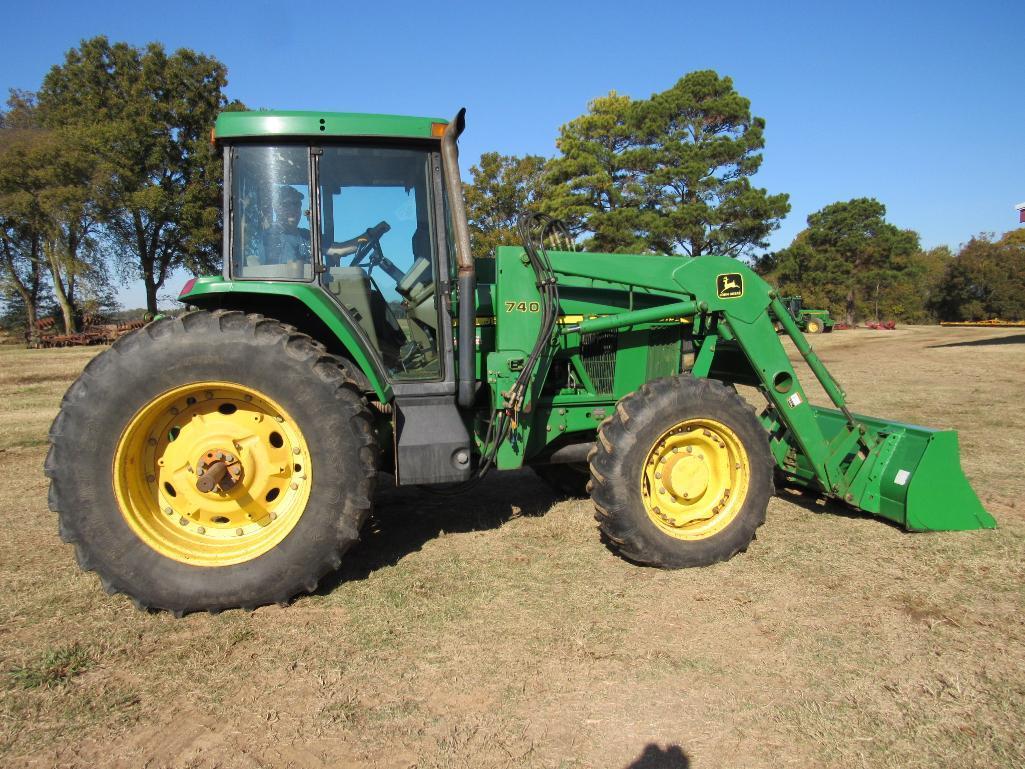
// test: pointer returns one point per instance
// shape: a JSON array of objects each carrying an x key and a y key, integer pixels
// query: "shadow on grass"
[
  {"x": 405, "y": 518},
  {"x": 1013, "y": 339},
  {"x": 816, "y": 503},
  {"x": 654, "y": 757}
]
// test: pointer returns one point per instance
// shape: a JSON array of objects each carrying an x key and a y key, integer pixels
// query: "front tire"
[
  {"x": 242, "y": 397},
  {"x": 813, "y": 327},
  {"x": 681, "y": 474}
]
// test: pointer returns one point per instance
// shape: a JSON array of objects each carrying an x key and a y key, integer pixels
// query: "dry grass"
[{"x": 494, "y": 630}]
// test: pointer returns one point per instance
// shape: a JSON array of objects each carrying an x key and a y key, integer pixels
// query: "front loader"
[{"x": 227, "y": 457}]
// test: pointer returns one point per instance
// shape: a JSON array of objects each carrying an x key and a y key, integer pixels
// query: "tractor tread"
[
  {"x": 69, "y": 432},
  {"x": 615, "y": 491}
]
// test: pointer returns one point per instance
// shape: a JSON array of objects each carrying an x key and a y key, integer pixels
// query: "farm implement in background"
[{"x": 808, "y": 320}]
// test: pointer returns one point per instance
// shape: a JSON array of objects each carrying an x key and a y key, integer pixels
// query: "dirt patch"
[{"x": 494, "y": 629}]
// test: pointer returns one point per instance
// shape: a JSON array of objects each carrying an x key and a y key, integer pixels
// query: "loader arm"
[{"x": 908, "y": 474}]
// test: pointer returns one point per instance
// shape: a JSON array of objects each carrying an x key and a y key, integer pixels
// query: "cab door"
[{"x": 385, "y": 260}]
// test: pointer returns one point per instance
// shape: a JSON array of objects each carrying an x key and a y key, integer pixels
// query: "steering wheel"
[{"x": 366, "y": 244}]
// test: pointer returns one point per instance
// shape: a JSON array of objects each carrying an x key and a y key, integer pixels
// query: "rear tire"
[
  {"x": 681, "y": 474},
  {"x": 111, "y": 452}
]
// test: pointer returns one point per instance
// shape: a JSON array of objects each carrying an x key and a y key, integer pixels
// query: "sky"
[{"x": 919, "y": 105}]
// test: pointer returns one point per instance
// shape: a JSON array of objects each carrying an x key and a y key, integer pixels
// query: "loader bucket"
[{"x": 913, "y": 477}]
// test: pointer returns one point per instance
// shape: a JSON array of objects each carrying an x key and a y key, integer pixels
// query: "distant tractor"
[
  {"x": 809, "y": 321},
  {"x": 227, "y": 457}
]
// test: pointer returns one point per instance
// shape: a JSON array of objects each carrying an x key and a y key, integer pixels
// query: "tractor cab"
[
  {"x": 347, "y": 214},
  {"x": 360, "y": 219}
]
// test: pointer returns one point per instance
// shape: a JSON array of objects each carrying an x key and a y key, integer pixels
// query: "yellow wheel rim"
[
  {"x": 695, "y": 479},
  {"x": 813, "y": 327},
  {"x": 178, "y": 438}
]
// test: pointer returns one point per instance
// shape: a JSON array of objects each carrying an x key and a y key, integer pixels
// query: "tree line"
[
  {"x": 672, "y": 174},
  {"x": 107, "y": 175}
]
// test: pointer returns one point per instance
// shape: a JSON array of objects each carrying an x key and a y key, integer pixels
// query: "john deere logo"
[{"x": 729, "y": 286}]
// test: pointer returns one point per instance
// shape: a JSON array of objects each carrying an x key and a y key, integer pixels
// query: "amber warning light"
[{"x": 438, "y": 129}]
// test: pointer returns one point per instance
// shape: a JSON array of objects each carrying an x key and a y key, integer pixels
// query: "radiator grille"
[
  {"x": 663, "y": 352},
  {"x": 598, "y": 353}
]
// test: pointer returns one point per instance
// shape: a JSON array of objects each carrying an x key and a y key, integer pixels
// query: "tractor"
[
  {"x": 227, "y": 458},
  {"x": 809, "y": 321}
]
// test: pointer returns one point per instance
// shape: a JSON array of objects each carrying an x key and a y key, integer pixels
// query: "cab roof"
[{"x": 231, "y": 125}]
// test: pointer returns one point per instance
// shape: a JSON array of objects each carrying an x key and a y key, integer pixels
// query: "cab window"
[
  {"x": 377, "y": 243},
  {"x": 270, "y": 218}
]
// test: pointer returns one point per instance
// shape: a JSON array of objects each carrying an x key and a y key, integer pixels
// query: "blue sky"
[{"x": 917, "y": 104}]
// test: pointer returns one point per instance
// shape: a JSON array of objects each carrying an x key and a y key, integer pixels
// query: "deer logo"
[{"x": 729, "y": 286}]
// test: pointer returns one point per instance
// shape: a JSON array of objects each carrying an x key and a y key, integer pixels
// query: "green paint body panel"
[{"x": 290, "y": 123}]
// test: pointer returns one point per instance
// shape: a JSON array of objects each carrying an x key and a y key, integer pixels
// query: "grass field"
[{"x": 494, "y": 630}]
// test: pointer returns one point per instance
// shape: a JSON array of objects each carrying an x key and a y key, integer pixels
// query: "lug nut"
[
  {"x": 183, "y": 521},
  {"x": 168, "y": 510},
  {"x": 296, "y": 450},
  {"x": 201, "y": 530},
  {"x": 293, "y": 486},
  {"x": 690, "y": 449},
  {"x": 150, "y": 478},
  {"x": 239, "y": 532}
]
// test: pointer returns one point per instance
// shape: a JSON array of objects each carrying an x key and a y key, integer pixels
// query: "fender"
[{"x": 214, "y": 291}]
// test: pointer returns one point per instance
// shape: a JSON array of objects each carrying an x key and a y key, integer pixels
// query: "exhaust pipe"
[{"x": 466, "y": 277}]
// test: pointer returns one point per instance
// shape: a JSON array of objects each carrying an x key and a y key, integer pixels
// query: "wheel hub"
[
  {"x": 212, "y": 474},
  {"x": 218, "y": 469},
  {"x": 695, "y": 479},
  {"x": 686, "y": 476}
]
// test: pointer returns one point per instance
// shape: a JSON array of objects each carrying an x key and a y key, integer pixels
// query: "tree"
[
  {"x": 22, "y": 277},
  {"x": 502, "y": 187},
  {"x": 668, "y": 174},
  {"x": 22, "y": 269},
  {"x": 912, "y": 296},
  {"x": 986, "y": 280},
  {"x": 147, "y": 115},
  {"x": 48, "y": 211},
  {"x": 848, "y": 254},
  {"x": 595, "y": 182}
]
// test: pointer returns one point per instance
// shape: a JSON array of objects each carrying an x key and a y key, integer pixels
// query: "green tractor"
[
  {"x": 227, "y": 458},
  {"x": 809, "y": 321}
]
